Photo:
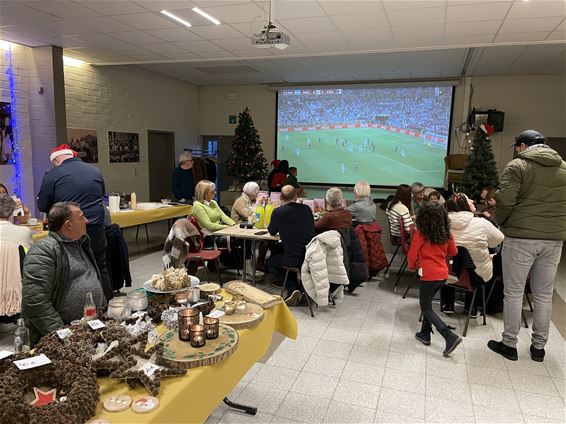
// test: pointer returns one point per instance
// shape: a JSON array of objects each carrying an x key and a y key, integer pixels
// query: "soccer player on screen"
[
  {"x": 298, "y": 152},
  {"x": 342, "y": 168},
  {"x": 357, "y": 167},
  {"x": 309, "y": 142}
]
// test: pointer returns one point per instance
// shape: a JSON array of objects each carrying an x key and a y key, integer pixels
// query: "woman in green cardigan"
[{"x": 209, "y": 216}]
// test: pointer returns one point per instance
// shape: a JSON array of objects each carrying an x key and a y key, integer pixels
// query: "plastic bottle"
[
  {"x": 133, "y": 200},
  {"x": 260, "y": 216},
  {"x": 89, "y": 308},
  {"x": 268, "y": 212},
  {"x": 21, "y": 337},
  {"x": 45, "y": 222}
]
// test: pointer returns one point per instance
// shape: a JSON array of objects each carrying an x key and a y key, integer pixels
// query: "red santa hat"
[
  {"x": 63, "y": 149},
  {"x": 488, "y": 129}
]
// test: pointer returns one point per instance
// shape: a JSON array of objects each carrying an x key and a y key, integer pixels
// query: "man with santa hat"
[{"x": 72, "y": 180}]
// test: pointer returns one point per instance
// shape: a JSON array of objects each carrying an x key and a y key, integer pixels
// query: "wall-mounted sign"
[
  {"x": 232, "y": 119},
  {"x": 232, "y": 96}
]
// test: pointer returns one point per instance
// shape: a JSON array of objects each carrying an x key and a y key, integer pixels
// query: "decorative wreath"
[{"x": 75, "y": 382}]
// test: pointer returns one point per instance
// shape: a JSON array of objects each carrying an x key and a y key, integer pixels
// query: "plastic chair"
[
  {"x": 298, "y": 272},
  {"x": 204, "y": 256}
]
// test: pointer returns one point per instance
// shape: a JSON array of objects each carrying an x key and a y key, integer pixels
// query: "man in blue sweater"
[
  {"x": 73, "y": 180},
  {"x": 183, "y": 180}
]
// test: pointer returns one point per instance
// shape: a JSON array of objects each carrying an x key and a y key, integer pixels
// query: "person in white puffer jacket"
[
  {"x": 324, "y": 264},
  {"x": 476, "y": 234}
]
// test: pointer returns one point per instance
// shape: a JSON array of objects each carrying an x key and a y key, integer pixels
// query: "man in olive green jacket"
[
  {"x": 531, "y": 210},
  {"x": 58, "y": 273}
]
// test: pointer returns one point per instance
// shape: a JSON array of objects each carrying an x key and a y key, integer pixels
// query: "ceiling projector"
[{"x": 271, "y": 36}]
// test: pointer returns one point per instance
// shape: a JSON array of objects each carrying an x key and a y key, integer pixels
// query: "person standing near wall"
[
  {"x": 73, "y": 180},
  {"x": 183, "y": 179},
  {"x": 531, "y": 210}
]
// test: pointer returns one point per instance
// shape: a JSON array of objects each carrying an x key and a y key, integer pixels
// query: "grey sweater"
[{"x": 363, "y": 211}]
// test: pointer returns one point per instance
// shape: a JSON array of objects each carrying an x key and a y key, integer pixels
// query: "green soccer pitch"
[{"x": 397, "y": 159}]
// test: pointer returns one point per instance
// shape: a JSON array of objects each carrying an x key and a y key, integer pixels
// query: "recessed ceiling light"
[
  {"x": 206, "y": 15},
  {"x": 71, "y": 61},
  {"x": 4, "y": 45},
  {"x": 176, "y": 18}
]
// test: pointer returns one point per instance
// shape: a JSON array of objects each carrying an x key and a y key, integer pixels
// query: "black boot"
[
  {"x": 423, "y": 336},
  {"x": 452, "y": 340}
]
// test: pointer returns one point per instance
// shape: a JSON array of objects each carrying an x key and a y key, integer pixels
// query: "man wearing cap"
[
  {"x": 531, "y": 210},
  {"x": 72, "y": 180}
]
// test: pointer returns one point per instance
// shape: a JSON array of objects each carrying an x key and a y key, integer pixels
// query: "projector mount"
[{"x": 271, "y": 35}]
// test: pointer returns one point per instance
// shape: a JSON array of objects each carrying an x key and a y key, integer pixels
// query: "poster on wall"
[
  {"x": 6, "y": 136},
  {"x": 124, "y": 147},
  {"x": 84, "y": 142}
]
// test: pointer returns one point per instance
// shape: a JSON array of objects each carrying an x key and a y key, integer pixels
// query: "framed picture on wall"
[
  {"x": 84, "y": 142},
  {"x": 124, "y": 147},
  {"x": 6, "y": 136}
]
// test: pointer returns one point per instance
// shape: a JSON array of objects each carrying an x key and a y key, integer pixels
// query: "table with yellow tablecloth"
[{"x": 193, "y": 397}]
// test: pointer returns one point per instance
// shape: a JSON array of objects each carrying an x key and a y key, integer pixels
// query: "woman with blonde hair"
[
  {"x": 363, "y": 209},
  {"x": 208, "y": 214}
]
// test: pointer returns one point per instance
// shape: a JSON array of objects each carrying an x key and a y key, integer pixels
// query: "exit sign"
[{"x": 232, "y": 119}]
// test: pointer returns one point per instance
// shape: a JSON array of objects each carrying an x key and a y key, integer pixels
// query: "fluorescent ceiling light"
[
  {"x": 206, "y": 15},
  {"x": 176, "y": 18},
  {"x": 4, "y": 45},
  {"x": 71, "y": 61}
]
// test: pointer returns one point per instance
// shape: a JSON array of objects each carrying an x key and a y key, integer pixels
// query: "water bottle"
[
  {"x": 260, "y": 216},
  {"x": 21, "y": 337},
  {"x": 268, "y": 212},
  {"x": 89, "y": 311}
]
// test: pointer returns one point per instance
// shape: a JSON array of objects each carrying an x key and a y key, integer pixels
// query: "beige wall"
[
  {"x": 129, "y": 99},
  {"x": 530, "y": 101},
  {"x": 214, "y": 110}
]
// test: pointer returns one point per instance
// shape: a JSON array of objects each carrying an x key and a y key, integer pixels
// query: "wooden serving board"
[
  {"x": 252, "y": 294},
  {"x": 190, "y": 357},
  {"x": 239, "y": 321}
]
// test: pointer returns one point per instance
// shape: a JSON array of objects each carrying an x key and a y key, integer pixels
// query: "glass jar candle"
[
  {"x": 197, "y": 335},
  {"x": 186, "y": 318},
  {"x": 138, "y": 300},
  {"x": 241, "y": 307},
  {"x": 119, "y": 308},
  {"x": 182, "y": 297},
  {"x": 229, "y": 307},
  {"x": 212, "y": 326}
]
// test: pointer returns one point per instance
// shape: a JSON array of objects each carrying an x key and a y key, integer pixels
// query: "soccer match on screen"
[{"x": 386, "y": 136}]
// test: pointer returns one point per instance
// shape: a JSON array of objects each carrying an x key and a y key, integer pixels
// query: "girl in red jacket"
[{"x": 430, "y": 246}]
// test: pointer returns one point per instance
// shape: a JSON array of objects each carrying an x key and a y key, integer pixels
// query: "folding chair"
[
  {"x": 395, "y": 241},
  {"x": 405, "y": 245}
]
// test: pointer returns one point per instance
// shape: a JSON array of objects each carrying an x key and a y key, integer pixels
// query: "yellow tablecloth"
[
  {"x": 140, "y": 217},
  {"x": 192, "y": 398}
]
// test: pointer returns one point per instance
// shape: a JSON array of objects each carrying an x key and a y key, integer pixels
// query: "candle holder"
[
  {"x": 138, "y": 300},
  {"x": 182, "y": 298},
  {"x": 241, "y": 307},
  {"x": 197, "y": 335},
  {"x": 229, "y": 307},
  {"x": 194, "y": 294},
  {"x": 119, "y": 308},
  {"x": 212, "y": 326},
  {"x": 186, "y": 318}
]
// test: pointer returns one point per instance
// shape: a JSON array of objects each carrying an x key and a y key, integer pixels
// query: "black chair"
[{"x": 297, "y": 271}]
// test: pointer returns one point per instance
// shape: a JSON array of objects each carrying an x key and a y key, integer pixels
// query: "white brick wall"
[{"x": 129, "y": 99}]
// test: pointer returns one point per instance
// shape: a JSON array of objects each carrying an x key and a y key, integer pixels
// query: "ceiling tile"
[
  {"x": 417, "y": 32},
  {"x": 146, "y": 21},
  {"x": 252, "y": 52},
  {"x": 339, "y": 8},
  {"x": 157, "y": 5},
  {"x": 198, "y": 46},
  {"x": 128, "y": 49},
  {"x": 521, "y": 36},
  {"x": 308, "y": 25},
  {"x": 214, "y": 3},
  {"x": 290, "y": 9},
  {"x": 367, "y": 35},
  {"x": 476, "y": 12},
  {"x": 4, "y": 21},
  {"x": 364, "y": 21},
  {"x": 241, "y": 43},
  {"x": 530, "y": 25},
  {"x": 111, "y": 8},
  {"x": 216, "y": 54},
  {"x": 162, "y": 48},
  {"x": 236, "y": 12},
  {"x": 96, "y": 39},
  {"x": 63, "y": 9},
  {"x": 559, "y": 33},
  {"x": 174, "y": 34},
  {"x": 142, "y": 57},
  {"x": 391, "y": 5},
  {"x": 216, "y": 32},
  {"x": 180, "y": 56},
  {"x": 135, "y": 37},
  {"x": 468, "y": 40},
  {"x": 537, "y": 9},
  {"x": 26, "y": 15},
  {"x": 106, "y": 24},
  {"x": 64, "y": 27},
  {"x": 472, "y": 28},
  {"x": 323, "y": 41},
  {"x": 432, "y": 15}
]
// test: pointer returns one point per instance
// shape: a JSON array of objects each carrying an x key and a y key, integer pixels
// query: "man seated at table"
[
  {"x": 295, "y": 224},
  {"x": 58, "y": 273},
  {"x": 8, "y": 231},
  {"x": 337, "y": 217}
]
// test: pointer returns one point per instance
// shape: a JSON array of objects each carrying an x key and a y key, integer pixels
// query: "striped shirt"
[{"x": 397, "y": 211}]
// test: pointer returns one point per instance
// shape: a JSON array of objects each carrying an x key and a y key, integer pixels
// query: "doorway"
[
  {"x": 222, "y": 145},
  {"x": 161, "y": 158}
]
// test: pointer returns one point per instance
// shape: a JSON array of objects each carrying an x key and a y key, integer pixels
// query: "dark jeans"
[
  {"x": 427, "y": 291},
  {"x": 276, "y": 264},
  {"x": 98, "y": 246}
]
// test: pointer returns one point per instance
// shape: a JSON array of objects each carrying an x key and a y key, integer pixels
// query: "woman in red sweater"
[{"x": 430, "y": 246}]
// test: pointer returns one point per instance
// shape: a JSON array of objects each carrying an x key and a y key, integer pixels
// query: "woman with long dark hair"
[
  {"x": 431, "y": 244},
  {"x": 400, "y": 208}
]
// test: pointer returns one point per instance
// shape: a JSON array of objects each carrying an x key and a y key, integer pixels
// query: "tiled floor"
[{"x": 359, "y": 363}]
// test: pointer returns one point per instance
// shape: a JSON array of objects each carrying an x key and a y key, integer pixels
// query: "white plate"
[{"x": 147, "y": 285}]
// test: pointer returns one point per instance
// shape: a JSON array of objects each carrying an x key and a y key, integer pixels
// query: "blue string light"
[{"x": 17, "y": 178}]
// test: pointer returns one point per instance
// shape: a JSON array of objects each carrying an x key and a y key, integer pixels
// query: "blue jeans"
[{"x": 521, "y": 258}]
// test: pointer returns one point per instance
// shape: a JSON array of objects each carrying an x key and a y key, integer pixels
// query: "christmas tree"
[
  {"x": 246, "y": 161},
  {"x": 481, "y": 170}
]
